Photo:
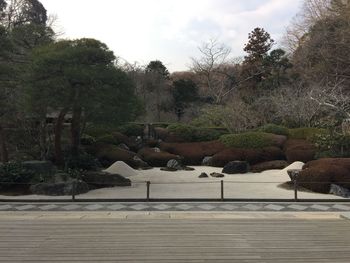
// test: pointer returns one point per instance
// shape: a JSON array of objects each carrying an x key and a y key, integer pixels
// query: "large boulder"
[
  {"x": 103, "y": 179},
  {"x": 252, "y": 156},
  {"x": 319, "y": 175},
  {"x": 193, "y": 153},
  {"x": 174, "y": 164},
  {"x": 60, "y": 189},
  {"x": 271, "y": 165},
  {"x": 299, "y": 150},
  {"x": 156, "y": 158},
  {"x": 236, "y": 167}
]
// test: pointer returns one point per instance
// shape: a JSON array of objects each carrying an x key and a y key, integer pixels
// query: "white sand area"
[{"x": 186, "y": 184}]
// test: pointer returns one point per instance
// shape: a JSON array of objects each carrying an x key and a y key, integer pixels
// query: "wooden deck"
[{"x": 174, "y": 240}]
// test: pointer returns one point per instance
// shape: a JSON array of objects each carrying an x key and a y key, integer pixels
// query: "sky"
[{"x": 170, "y": 30}]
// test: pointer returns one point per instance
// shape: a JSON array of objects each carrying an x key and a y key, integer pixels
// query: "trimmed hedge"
[
  {"x": 131, "y": 129},
  {"x": 274, "y": 129},
  {"x": 109, "y": 139},
  {"x": 306, "y": 133},
  {"x": 249, "y": 140},
  {"x": 195, "y": 134}
]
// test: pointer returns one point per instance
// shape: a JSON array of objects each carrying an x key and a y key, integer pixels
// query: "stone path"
[{"x": 148, "y": 207}]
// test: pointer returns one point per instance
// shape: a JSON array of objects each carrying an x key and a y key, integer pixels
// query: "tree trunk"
[
  {"x": 75, "y": 130},
  {"x": 43, "y": 139},
  {"x": 3, "y": 147},
  {"x": 58, "y": 135}
]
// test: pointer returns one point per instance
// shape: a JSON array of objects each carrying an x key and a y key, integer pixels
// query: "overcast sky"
[{"x": 170, "y": 30}]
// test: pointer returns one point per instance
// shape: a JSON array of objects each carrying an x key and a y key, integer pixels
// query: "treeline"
[{"x": 303, "y": 84}]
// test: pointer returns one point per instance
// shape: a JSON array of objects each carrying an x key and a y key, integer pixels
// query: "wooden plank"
[{"x": 174, "y": 240}]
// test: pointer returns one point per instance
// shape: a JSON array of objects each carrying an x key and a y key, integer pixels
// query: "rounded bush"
[
  {"x": 306, "y": 133},
  {"x": 195, "y": 134},
  {"x": 274, "y": 129},
  {"x": 109, "y": 139},
  {"x": 131, "y": 129},
  {"x": 249, "y": 140}
]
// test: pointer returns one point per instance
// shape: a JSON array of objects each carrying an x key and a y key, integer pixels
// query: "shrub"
[
  {"x": 184, "y": 131},
  {"x": 14, "y": 173},
  {"x": 274, "y": 129},
  {"x": 83, "y": 161},
  {"x": 196, "y": 134},
  {"x": 248, "y": 140},
  {"x": 87, "y": 139},
  {"x": 98, "y": 131},
  {"x": 109, "y": 139},
  {"x": 131, "y": 129},
  {"x": 332, "y": 145},
  {"x": 305, "y": 133}
]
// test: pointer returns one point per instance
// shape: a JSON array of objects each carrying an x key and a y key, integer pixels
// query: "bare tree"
[
  {"x": 214, "y": 69},
  {"x": 311, "y": 12}
]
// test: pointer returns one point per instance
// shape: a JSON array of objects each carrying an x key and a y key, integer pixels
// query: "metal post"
[
  {"x": 222, "y": 190},
  {"x": 148, "y": 190},
  {"x": 73, "y": 189},
  {"x": 295, "y": 188}
]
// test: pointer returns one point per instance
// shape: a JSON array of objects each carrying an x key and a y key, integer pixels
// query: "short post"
[
  {"x": 148, "y": 190},
  {"x": 296, "y": 188},
  {"x": 222, "y": 190},
  {"x": 74, "y": 183},
  {"x": 293, "y": 174}
]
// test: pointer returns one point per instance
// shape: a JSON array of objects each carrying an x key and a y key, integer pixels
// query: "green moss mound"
[
  {"x": 195, "y": 134},
  {"x": 274, "y": 129},
  {"x": 306, "y": 133},
  {"x": 131, "y": 129},
  {"x": 249, "y": 140}
]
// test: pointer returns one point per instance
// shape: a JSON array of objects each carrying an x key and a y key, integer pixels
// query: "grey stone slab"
[
  {"x": 48, "y": 207},
  {"x": 342, "y": 207},
  {"x": 71, "y": 207},
  {"x": 94, "y": 207},
  {"x": 274, "y": 207},
  {"x": 24, "y": 207},
  {"x": 5, "y": 207}
]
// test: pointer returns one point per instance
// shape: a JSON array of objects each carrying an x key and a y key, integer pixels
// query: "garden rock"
[
  {"x": 102, "y": 179},
  {"x": 339, "y": 191},
  {"x": 207, "y": 161},
  {"x": 203, "y": 175},
  {"x": 59, "y": 189},
  {"x": 236, "y": 167},
  {"x": 174, "y": 164},
  {"x": 217, "y": 175}
]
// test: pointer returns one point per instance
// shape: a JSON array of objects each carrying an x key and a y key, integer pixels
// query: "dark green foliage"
[
  {"x": 274, "y": 129},
  {"x": 98, "y": 131},
  {"x": 332, "y": 145},
  {"x": 157, "y": 67},
  {"x": 14, "y": 173},
  {"x": 83, "y": 161},
  {"x": 87, "y": 140},
  {"x": 109, "y": 139},
  {"x": 259, "y": 44},
  {"x": 131, "y": 129},
  {"x": 195, "y": 134},
  {"x": 248, "y": 140},
  {"x": 305, "y": 133}
]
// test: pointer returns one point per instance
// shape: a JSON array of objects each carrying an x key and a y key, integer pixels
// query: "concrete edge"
[{"x": 83, "y": 215}]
